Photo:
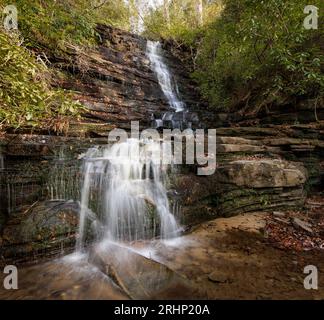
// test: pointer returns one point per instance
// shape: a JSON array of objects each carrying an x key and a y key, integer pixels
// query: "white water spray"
[
  {"x": 162, "y": 72},
  {"x": 124, "y": 184}
]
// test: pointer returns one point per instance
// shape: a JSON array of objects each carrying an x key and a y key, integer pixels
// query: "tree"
[
  {"x": 166, "y": 11},
  {"x": 200, "y": 12}
]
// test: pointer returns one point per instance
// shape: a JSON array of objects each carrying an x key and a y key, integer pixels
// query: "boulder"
[
  {"x": 263, "y": 173},
  {"x": 139, "y": 277}
]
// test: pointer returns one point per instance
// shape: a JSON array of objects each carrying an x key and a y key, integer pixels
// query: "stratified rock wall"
[{"x": 115, "y": 83}]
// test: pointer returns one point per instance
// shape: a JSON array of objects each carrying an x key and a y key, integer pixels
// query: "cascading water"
[
  {"x": 162, "y": 72},
  {"x": 124, "y": 184},
  {"x": 124, "y": 192}
]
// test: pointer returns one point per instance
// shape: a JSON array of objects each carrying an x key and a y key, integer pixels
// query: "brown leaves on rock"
[{"x": 298, "y": 230}]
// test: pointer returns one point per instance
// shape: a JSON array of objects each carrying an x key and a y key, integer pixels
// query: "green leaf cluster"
[
  {"x": 258, "y": 53},
  {"x": 26, "y": 98}
]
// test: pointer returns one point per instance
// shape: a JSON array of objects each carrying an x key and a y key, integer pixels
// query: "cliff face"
[
  {"x": 115, "y": 83},
  {"x": 259, "y": 167}
]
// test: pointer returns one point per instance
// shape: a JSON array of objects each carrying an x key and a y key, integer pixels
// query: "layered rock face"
[
  {"x": 258, "y": 168},
  {"x": 43, "y": 230},
  {"x": 243, "y": 186},
  {"x": 116, "y": 84},
  {"x": 300, "y": 112}
]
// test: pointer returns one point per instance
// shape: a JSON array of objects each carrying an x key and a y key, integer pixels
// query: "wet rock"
[
  {"x": 71, "y": 278},
  {"x": 45, "y": 230},
  {"x": 140, "y": 277}
]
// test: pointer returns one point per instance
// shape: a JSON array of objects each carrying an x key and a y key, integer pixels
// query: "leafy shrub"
[
  {"x": 248, "y": 53},
  {"x": 26, "y": 96},
  {"x": 259, "y": 53},
  {"x": 51, "y": 24},
  {"x": 26, "y": 99}
]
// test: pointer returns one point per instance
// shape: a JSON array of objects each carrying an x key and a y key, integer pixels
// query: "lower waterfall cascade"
[{"x": 124, "y": 193}]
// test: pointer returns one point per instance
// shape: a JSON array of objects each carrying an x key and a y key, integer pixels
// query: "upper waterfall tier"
[{"x": 162, "y": 72}]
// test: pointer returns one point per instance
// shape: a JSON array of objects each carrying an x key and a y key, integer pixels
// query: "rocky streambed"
[
  {"x": 222, "y": 259},
  {"x": 261, "y": 169}
]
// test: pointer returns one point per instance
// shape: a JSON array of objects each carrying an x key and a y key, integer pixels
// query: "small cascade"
[
  {"x": 178, "y": 117},
  {"x": 162, "y": 72},
  {"x": 63, "y": 182},
  {"x": 124, "y": 193}
]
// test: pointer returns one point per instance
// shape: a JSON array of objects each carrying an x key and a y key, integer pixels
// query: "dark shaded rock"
[{"x": 45, "y": 230}]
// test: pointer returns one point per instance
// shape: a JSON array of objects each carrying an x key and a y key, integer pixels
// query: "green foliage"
[
  {"x": 26, "y": 99},
  {"x": 248, "y": 53},
  {"x": 51, "y": 24},
  {"x": 184, "y": 23},
  {"x": 258, "y": 53},
  {"x": 26, "y": 96}
]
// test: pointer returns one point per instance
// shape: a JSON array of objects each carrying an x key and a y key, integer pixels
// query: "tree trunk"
[
  {"x": 166, "y": 11},
  {"x": 200, "y": 12}
]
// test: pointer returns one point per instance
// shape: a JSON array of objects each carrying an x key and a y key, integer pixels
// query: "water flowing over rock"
[
  {"x": 140, "y": 277},
  {"x": 116, "y": 83},
  {"x": 180, "y": 117},
  {"x": 163, "y": 75},
  {"x": 125, "y": 183},
  {"x": 258, "y": 168}
]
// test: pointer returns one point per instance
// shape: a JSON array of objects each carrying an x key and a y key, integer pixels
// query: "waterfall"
[
  {"x": 124, "y": 193},
  {"x": 63, "y": 183},
  {"x": 162, "y": 72}
]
